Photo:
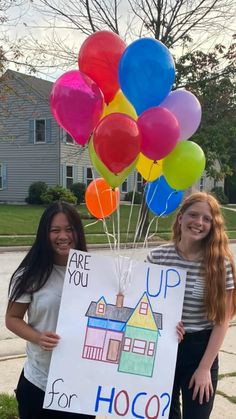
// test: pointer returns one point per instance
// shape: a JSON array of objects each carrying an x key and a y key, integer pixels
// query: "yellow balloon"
[
  {"x": 149, "y": 169},
  {"x": 120, "y": 104}
]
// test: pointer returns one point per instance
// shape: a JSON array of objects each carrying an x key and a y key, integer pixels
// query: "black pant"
[
  {"x": 190, "y": 352},
  {"x": 30, "y": 403}
]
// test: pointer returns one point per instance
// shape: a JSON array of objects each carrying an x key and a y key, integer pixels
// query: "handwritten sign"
[{"x": 117, "y": 351}]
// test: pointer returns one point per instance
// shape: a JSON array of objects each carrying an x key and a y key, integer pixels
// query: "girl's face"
[
  {"x": 61, "y": 236},
  {"x": 196, "y": 222}
]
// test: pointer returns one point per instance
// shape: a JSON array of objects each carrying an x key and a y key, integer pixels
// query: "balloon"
[
  {"x": 112, "y": 180},
  {"x": 184, "y": 165},
  {"x": 120, "y": 104},
  {"x": 149, "y": 169},
  {"x": 117, "y": 141},
  {"x": 100, "y": 199},
  {"x": 160, "y": 132},
  {"x": 76, "y": 104},
  {"x": 146, "y": 73},
  {"x": 99, "y": 57},
  {"x": 161, "y": 199},
  {"x": 187, "y": 109}
]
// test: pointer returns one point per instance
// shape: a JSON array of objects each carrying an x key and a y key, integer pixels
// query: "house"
[
  {"x": 123, "y": 335},
  {"x": 34, "y": 148}
]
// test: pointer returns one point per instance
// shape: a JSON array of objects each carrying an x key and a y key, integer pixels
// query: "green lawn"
[{"x": 20, "y": 223}]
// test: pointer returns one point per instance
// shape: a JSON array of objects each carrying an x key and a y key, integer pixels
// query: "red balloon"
[
  {"x": 99, "y": 58},
  {"x": 117, "y": 141},
  {"x": 160, "y": 132}
]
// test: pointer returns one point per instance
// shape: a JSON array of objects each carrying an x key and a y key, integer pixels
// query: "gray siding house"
[
  {"x": 34, "y": 148},
  {"x": 32, "y": 145}
]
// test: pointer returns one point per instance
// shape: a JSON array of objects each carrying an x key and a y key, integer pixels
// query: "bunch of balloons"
[{"x": 120, "y": 103}]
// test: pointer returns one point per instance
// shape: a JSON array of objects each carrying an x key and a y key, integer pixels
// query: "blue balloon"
[
  {"x": 146, "y": 73},
  {"x": 161, "y": 199}
]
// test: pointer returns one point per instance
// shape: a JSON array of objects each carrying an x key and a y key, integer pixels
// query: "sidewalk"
[{"x": 12, "y": 356}]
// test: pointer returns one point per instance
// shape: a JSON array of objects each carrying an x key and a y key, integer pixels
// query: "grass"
[
  {"x": 8, "y": 406},
  {"x": 18, "y": 224}
]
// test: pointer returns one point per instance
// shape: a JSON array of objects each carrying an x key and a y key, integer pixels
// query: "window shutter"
[
  {"x": 31, "y": 131},
  {"x": 48, "y": 130},
  {"x": 4, "y": 176},
  {"x": 63, "y": 175},
  {"x": 75, "y": 173}
]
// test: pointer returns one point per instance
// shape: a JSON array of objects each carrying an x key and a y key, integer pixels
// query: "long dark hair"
[{"x": 35, "y": 269}]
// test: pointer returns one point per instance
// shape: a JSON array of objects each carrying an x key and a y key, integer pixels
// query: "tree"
[
  {"x": 211, "y": 76},
  {"x": 176, "y": 23},
  {"x": 9, "y": 51}
]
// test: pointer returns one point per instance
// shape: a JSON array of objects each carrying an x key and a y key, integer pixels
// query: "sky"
[{"x": 25, "y": 22}]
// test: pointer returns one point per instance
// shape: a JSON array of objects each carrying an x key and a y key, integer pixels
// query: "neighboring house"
[
  {"x": 123, "y": 335},
  {"x": 32, "y": 145}
]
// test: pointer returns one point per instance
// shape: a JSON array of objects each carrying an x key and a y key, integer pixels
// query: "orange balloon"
[{"x": 101, "y": 199}]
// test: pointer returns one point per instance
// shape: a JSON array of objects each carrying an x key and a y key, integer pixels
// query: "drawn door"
[{"x": 113, "y": 350}]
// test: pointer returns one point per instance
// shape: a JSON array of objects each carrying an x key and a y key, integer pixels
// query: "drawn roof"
[{"x": 121, "y": 314}]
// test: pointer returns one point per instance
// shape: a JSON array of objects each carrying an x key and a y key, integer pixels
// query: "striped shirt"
[{"x": 194, "y": 314}]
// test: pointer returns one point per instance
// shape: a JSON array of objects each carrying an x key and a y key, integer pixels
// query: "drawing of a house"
[{"x": 123, "y": 335}]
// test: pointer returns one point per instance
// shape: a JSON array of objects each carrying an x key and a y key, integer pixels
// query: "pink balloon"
[
  {"x": 160, "y": 132},
  {"x": 187, "y": 109},
  {"x": 76, "y": 104}
]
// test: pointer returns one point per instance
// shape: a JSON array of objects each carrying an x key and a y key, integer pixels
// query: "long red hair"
[{"x": 216, "y": 251}]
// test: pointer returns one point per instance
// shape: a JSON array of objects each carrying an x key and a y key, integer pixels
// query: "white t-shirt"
[{"x": 42, "y": 316}]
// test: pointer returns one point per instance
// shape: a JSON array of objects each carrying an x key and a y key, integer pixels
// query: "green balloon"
[
  {"x": 184, "y": 165},
  {"x": 114, "y": 180}
]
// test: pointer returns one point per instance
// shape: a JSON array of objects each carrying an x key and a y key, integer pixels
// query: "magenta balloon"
[
  {"x": 76, "y": 103},
  {"x": 187, "y": 109},
  {"x": 160, "y": 132}
]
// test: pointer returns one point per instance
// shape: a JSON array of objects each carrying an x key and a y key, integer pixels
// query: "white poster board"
[{"x": 116, "y": 355}]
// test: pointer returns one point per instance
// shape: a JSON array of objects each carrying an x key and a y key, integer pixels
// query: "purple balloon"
[
  {"x": 187, "y": 109},
  {"x": 76, "y": 103}
]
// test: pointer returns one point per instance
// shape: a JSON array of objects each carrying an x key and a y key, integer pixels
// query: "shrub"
[
  {"x": 8, "y": 406},
  {"x": 137, "y": 199},
  {"x": 78, "y": 189},
  {"x": 220, "y": 195},
  {"x": 36, "y": 190},
  {"x": 58, "y": 193}
]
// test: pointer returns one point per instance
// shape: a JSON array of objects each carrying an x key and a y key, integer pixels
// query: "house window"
[
  {"x": 143, "y": 308},
  {"x": 69, "y": 176},
  {"x": 201, "y": 184},
  {"x": 69, "y": 139},
  {"x": 124, "y": 186},
  {"x": 89, "y": 175},
  {"x": 139, "y": 182},
  {"x": 151, "y": 348},
  {"x": 101, "y": 308},
  {"x": 40, "y": 131},
  {"x": 127, "y": 344},
  {"x": 139, "y": 346},
  {"x": 1, "y": 181}
]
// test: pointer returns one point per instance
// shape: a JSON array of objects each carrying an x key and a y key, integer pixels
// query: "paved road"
[{"x": 9, "y": 261}]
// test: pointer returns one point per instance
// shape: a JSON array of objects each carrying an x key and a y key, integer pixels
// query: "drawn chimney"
[{"x": 119, "y": 300}]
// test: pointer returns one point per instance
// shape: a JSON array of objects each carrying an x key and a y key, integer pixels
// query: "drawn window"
[
  {"x": 40, "y": 131},
  {"x": 127, "y": 344},
  {"x": 143, "y": 308},
  {"x": 69, "y": 176},
  {"x": 139, "y": 346},
  {"x": 101, "y": 308},
  {"x": 151, "y": 348}
]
